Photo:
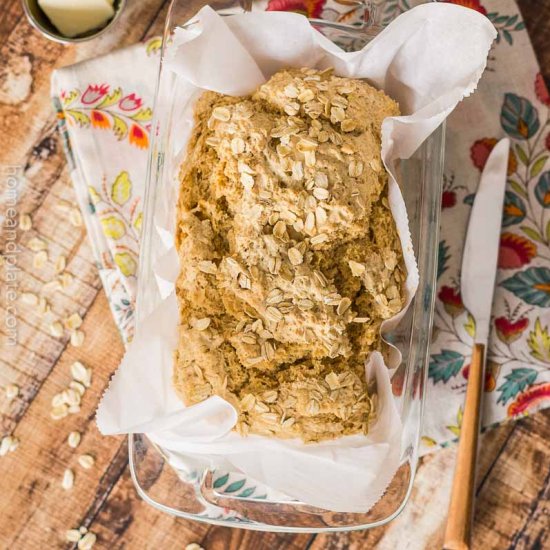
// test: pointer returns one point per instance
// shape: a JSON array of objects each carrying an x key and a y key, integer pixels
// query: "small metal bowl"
[{"x": 40, "y": 22}]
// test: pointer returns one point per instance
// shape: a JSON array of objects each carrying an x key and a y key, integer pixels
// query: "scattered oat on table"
[
  {"x": 40, "y": 259},
  {"x": 72, "y": 535},
  {"x": 8, "y": 444},
  {"x": 81, "y": 374},
  {"x": 68, "y": 479},
  {"x": 74, "y": 439},
  {"x": 25, "y": 222},
  {"x": 56, "y": 329},
  {"x": 68, "y": 401},
  {"x": 87, "y": 541},
  {"x": 73, "y": 322},
  {"x": 37, "y": 244},
  {"x": 86, "y": 461},
  {"x": 12, "y": 391},
  {"x": 77, "y": 338}
]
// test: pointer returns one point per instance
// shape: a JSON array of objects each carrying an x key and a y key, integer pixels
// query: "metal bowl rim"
[{"x": 64, "y": 39}]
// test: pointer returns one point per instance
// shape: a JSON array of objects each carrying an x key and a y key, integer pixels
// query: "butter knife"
[{"x": 479, "y": 267}]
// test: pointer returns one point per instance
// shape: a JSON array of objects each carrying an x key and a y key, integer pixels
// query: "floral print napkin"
[
  {"x": 104, "y": 111},
  {"x": 511, "y": 100}
]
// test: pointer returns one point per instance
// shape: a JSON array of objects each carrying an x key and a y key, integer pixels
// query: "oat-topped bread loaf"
[{"x": 289, "y": 255}]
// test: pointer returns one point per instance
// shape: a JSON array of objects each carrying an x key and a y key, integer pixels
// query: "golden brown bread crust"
[{"x": 290, "y": 259}]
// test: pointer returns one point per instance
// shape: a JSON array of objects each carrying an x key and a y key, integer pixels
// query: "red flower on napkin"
[
  {"x": 529, "y": 399},
  {"x": 515, "y": 251},
  {"x": 138, "y": 137},
  {"x": 448, "y": 199},
  {"x": 94, "y": 93},
  {"x": 310, "y": 8},
  {"x": 541, "y": 90},
  {"x": 130, "y": 102},
  {"x": 99, "y": 120},
  {"x": 452, "y": 300},
  {"x": 480, "y": 150},
  {"x": 509, "y": 331},
  {"x": 473, "y": 4}
]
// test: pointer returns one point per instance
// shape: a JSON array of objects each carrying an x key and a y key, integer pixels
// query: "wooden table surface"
[{"x": 35, "y": 511}]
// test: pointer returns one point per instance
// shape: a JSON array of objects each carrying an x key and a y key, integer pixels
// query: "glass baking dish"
[{"x": 181, "y": 487}]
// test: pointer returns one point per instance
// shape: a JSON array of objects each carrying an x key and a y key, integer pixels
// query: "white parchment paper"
[{"x": 428, "y": 59}]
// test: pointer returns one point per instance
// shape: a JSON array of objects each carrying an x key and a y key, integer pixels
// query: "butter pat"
[{"x": 72, "y": 18}]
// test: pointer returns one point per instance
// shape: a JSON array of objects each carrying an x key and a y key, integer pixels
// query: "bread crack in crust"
[{"x": 290, "y": 259}]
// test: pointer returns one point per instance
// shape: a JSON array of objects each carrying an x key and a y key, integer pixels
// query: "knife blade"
[
  {"x": 479, "y": 268},
  {"x": 479, "y": 261}
]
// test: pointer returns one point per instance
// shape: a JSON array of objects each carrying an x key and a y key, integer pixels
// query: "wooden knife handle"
[{"x": 459, "y": 522}]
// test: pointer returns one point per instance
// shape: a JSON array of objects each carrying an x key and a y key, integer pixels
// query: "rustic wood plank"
[
  {"x": 35, "y": 510},
  {"x": 512, "y": 494},
  {"x": 11, "y": 13},
  {"x": 534, "y": 533}
]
